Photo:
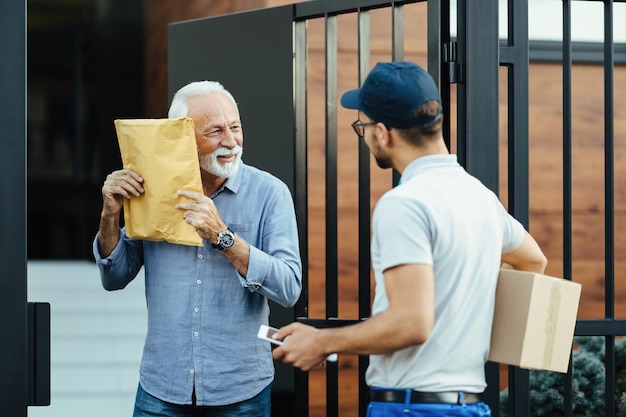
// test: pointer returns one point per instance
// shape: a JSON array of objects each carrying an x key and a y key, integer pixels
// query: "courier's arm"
[{"x": 527, "y": 257}]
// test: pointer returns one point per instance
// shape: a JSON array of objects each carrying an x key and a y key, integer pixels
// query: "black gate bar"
[
  {"x": 364, "y": 208},
  {"x": 332, "y": 256},
  {"x": 478, "y": 114},
  {"x": 514, "y": 56},
  {"x": 609, "y": 207},
  {"x": 301, "y": 379},
  {"x": 13, "y": 388}
]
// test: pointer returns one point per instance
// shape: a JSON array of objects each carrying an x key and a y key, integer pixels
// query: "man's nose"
[{"x": 229, "y": 139}]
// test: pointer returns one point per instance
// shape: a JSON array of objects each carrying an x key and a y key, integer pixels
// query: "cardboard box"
[{"x": 534, "y": 320}]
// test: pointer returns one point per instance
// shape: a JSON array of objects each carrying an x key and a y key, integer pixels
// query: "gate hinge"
[{"x": 455, "y": 69}]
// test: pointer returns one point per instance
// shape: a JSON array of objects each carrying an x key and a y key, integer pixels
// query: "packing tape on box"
[{"x": 554, "y": 306}]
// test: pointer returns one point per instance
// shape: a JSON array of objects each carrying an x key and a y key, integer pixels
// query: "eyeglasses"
[{"x": 359, "y": 127}]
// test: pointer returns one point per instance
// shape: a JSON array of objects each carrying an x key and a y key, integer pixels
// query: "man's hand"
[
  {"x": 201, "y": 214},
  {"x": 302, "y": 346},
  {"x": 118, "y": 185}
]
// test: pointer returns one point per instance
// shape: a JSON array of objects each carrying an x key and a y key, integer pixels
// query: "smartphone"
[{"x": 266, "y": 333}]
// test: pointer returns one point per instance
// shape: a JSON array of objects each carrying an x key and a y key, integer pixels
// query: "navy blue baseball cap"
[{"x": 391, "y": 94}]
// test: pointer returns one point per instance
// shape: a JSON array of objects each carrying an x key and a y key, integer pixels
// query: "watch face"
[{"x": 226, "y": 239}]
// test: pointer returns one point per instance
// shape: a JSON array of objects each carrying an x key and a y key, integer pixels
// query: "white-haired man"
[{"x": 205, "y": 304}]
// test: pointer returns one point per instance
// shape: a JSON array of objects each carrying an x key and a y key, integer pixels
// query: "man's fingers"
[
  {"x": 186, "y": 206},
  {"x": 123, "y": 189},
  {"x": 129, "y": 188},
  {"x": 124, "y": 182},
  {"x": 194, "y": 195},
  {"x": 285, "y": 331},
  {"x": 133, "y": 174},
  {"x": 277, "y": 352}
]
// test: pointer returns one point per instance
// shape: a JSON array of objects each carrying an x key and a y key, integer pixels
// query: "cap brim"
[{"x": 350, "y": 99}]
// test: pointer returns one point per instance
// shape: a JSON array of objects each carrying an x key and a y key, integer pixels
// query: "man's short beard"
[
  {"x": 210, "y": 164},
  {"x": 383, "y": 162}
]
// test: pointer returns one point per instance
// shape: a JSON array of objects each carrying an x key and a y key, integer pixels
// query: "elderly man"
[{"x": 205, "y": 304}]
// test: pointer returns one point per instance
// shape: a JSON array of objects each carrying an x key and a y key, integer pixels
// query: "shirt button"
[
  {"x": 192, "y": 371},
  {"x": 196, "y": 309},
  {"x": 200, "y": 256},
  {"x": 196, "y": 334},
  {"x": 199, "y": 282}
]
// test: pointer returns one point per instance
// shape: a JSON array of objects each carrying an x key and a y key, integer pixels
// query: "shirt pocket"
[{"x": 247, "y": 231}]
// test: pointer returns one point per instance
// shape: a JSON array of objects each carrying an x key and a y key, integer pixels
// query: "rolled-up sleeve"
[
  {"x": 122, "y": 265},
  {"x": 275, "y": 267}
]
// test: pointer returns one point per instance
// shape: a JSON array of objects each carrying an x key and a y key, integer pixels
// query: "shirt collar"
[
  {"x": 234, "y": 182},
  {"x": 423, "y": 163}
]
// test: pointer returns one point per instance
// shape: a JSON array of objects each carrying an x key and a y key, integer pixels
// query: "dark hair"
[{"x": 418, "y": 136}]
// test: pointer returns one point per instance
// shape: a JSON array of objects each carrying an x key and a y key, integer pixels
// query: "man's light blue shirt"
[{"x": 203, "y": 316}]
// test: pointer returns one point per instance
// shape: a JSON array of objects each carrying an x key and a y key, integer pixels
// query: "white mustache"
[{"x": 228, "y": 152}]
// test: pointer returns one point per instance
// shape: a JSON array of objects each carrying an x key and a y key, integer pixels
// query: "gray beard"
[{"x": 210, "y": 164}]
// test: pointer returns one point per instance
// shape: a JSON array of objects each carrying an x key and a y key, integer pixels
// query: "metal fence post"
[{"x": 13, "y": 208}]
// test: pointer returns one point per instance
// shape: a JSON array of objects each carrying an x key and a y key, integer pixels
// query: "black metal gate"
[
  {"x": 270, "y": 62},
  {"x": 609, "y": 327}
]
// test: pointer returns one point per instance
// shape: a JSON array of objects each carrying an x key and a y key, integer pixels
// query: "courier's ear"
[{"x": 382, "y": 134}]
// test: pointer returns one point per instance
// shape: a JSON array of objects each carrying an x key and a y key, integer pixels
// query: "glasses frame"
[{"x": 359, "y": 127}]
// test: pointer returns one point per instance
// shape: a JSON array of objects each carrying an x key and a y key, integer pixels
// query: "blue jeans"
[
  {"x": 148, "y": 406},
  {"x": 384, "y": 409}
]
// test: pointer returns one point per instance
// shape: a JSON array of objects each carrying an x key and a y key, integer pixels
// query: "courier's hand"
[
  {"x": 119, "y": 185},
  {"x": 201, "y": 214},
  {"x": 301, "y": 346}
]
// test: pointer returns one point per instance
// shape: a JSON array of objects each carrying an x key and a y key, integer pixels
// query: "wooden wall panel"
[{"x": 157, "y": 15}]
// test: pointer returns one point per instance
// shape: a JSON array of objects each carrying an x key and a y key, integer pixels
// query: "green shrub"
[{"x": 588, "y": 383}]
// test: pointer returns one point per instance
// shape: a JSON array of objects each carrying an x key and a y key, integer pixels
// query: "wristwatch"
[{"x": 225, "y": 240}]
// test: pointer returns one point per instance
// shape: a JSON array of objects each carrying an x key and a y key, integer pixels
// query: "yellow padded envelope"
[{"x": 164, "y": 153}]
